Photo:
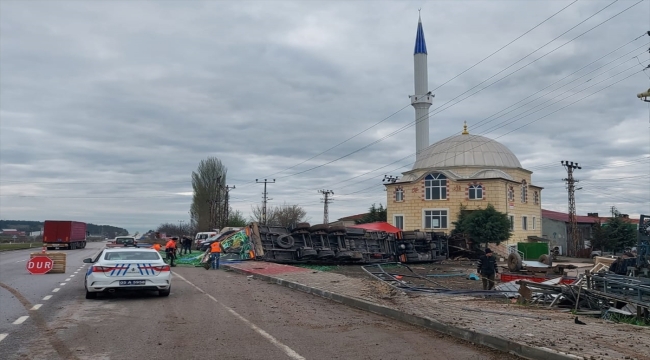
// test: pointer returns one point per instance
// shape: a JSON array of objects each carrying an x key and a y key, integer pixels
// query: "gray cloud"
[{"x": 107, "y": 108}]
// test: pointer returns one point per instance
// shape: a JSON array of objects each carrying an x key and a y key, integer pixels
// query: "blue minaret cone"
[{"x": 422, "y": 99}]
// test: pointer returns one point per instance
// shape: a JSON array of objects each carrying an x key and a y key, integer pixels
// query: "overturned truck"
[{"x": 346, "y": 245}]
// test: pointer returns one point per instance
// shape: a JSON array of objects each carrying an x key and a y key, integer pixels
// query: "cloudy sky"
[{"x": 107, "y": 107}]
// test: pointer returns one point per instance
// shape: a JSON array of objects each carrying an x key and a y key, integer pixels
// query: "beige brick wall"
[{"x": 495, "y": 193}]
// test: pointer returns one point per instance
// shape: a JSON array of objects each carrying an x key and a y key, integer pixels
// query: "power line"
[{"x": 265, "y": 199}]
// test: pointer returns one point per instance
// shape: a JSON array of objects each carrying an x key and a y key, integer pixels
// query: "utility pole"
[
  {"x": 180, "y": 227},
  {"x": 326, "y": 200},
  {"x": 225, "y": 204},
  {"x": 573, "y": 223},
  {"x": 264, "y": 198}
]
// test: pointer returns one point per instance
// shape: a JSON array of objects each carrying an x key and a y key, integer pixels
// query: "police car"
[{"x": 127, "y": 269}]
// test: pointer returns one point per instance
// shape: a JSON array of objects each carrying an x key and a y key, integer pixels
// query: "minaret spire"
[{"x": 422, "y": 99}]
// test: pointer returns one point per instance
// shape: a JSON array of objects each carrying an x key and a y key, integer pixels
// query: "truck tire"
[
  {"x": 285, "y": 241},
  {"x": 319, "y": 227},
  {"x": 337, "y": 228},
  {"x": 545, "y": 259},
  {"x": 302, "y": 226},
  {"x": 514, "y": 262}
]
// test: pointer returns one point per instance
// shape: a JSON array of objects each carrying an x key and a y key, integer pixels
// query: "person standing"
[
  {"x": 188, "y": 244},
  {"x": 487, "y": 268},
  {"x": 170, "y": 249},
  {"x": 215, "y": 254}
]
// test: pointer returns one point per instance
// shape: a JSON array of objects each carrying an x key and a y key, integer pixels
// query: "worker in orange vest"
[
  {"x": 170, "y": 249},
  {"x": 156, "y": 246},
  {"x": 215, "y": 254}
]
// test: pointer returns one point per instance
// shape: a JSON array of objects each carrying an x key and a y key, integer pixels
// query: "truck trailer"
[{"x": 59, "y": 234}]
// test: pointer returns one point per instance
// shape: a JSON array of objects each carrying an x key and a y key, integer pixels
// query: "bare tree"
[
  {"x": 256, "y": 215},
  {"x": 284, "y": 215},
  {"x": 208, "y": 182}
]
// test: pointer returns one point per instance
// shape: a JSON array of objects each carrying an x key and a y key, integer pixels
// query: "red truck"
[{"x": 64, "y": 235}]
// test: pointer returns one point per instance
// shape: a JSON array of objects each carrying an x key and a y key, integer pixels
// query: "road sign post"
[{"x": 39, "y": 265}]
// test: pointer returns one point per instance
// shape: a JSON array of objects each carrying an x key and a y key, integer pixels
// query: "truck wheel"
[
  {"x": 514, "y": 262},
  {"x": 285, "y": 241},
  {"x": 91, "y": 295}
]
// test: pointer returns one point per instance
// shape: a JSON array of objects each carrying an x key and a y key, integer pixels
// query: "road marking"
[
  {"x": 71, "y": 276},
  {"x": 76, "y": 272},
  {"x": 20, "y": 320},
  {"x": 287, "y": 350},
  {"x": 36, "y": 307},
  {"x": 3, "y": 336},
  {"x": 56, "y": 289},
  {"x": 68, "y": 279},
  {"x": 47, "y": 297},
  {"x": 62, "y": 284}
]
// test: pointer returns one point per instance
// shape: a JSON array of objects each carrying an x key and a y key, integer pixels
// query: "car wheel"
[
  {"x": 164, "y": 292},
  {"x": 91, "y": 295}
]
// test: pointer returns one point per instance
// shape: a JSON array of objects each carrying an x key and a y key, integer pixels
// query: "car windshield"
[
  {"x": 203, "y": 236},
  {"x": 123, "y": 240},
  {"x": 131, "y": 255}
]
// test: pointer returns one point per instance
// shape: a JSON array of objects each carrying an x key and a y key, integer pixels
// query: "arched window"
[
  {"x": 435, "y": 187},
  {"x": 475, "y": 192},
  {"x": 399, "y": 194},
  {"x": 524, "y": 191},
  {"x": 511, "y": 193},
  {"x": 536, "y": 197}
]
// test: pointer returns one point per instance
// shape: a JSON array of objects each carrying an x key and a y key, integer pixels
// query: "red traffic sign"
[{"x": 39, "y": 265}]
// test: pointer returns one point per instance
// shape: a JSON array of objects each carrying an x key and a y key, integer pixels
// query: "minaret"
[{"x": 422, "y": 99}]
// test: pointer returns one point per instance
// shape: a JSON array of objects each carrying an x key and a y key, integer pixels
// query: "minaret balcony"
[{"x": 422, "y": 99}]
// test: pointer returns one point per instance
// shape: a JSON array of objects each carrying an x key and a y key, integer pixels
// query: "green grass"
[
  {"x": 317, "y": 267},
  {"x": 630, "y": 320},
  {"x": 9, "y": 247}
]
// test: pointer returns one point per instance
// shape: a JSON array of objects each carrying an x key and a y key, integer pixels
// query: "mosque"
[{"x": 463, "y": 170}]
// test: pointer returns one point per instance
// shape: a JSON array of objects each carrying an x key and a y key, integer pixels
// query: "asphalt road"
[{"x": 209, "y": 314}]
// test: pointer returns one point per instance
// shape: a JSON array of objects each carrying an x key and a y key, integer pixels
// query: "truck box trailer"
[{"x": 59, "y": 234}]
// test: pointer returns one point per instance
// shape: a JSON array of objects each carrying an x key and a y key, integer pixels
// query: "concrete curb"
[{"x": 492, "y": 341}]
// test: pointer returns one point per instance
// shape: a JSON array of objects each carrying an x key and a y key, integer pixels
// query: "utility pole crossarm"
[
  {"x": 326, "y": 200},
  {"x": 265, "y": 198},
  {"x": 572, "y": 238}
]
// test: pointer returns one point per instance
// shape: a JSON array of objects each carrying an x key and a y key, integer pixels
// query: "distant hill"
[{"x": 31, "y": 226}]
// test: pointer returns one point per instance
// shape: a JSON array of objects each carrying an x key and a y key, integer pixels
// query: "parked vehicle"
[
  {"x": 123, "y": 241},
  {"x": 201, "y": 236},
  {"x": 127, "y": 269},
  {"x": 64, "y": 235}
]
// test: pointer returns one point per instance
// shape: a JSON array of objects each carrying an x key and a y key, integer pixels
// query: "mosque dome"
[{"x": 466, "y": 150}]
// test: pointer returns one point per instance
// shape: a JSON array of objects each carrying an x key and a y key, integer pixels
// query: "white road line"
[
  {"x": 48, "y": 297},
  {"x": 287, "y": 350},
  {"x": 3, "y": 336},
  {"x": 56, "y": 289},
  {"x": 68, "y": 279},
  {"x": 76, "y": 272},
  {"x": 36, "y": 307},
  {"x": 72, "y": 276},
  {"x": 20, "y": 320},
  {"x": 62, "y": 284}
]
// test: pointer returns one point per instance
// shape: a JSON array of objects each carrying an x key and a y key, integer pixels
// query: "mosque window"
[
  {"x": 536, "y": 197},
  {"x": 435, "y": 186},
  {"x": 524, "y": 191},
  {"x": 511, "y": 193},
  {"x": 434, "y": 218},
  {"x": 399, "y": 194},
  {"x": 475, "y": 192}
]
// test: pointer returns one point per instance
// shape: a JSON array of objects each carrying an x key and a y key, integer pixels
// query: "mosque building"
[{"x": 463, "y": 170}]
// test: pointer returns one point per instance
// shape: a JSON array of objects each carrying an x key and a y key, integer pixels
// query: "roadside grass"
[
  {"x": 630, "y": 320},
  {"x": 9, "y": 247}
]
